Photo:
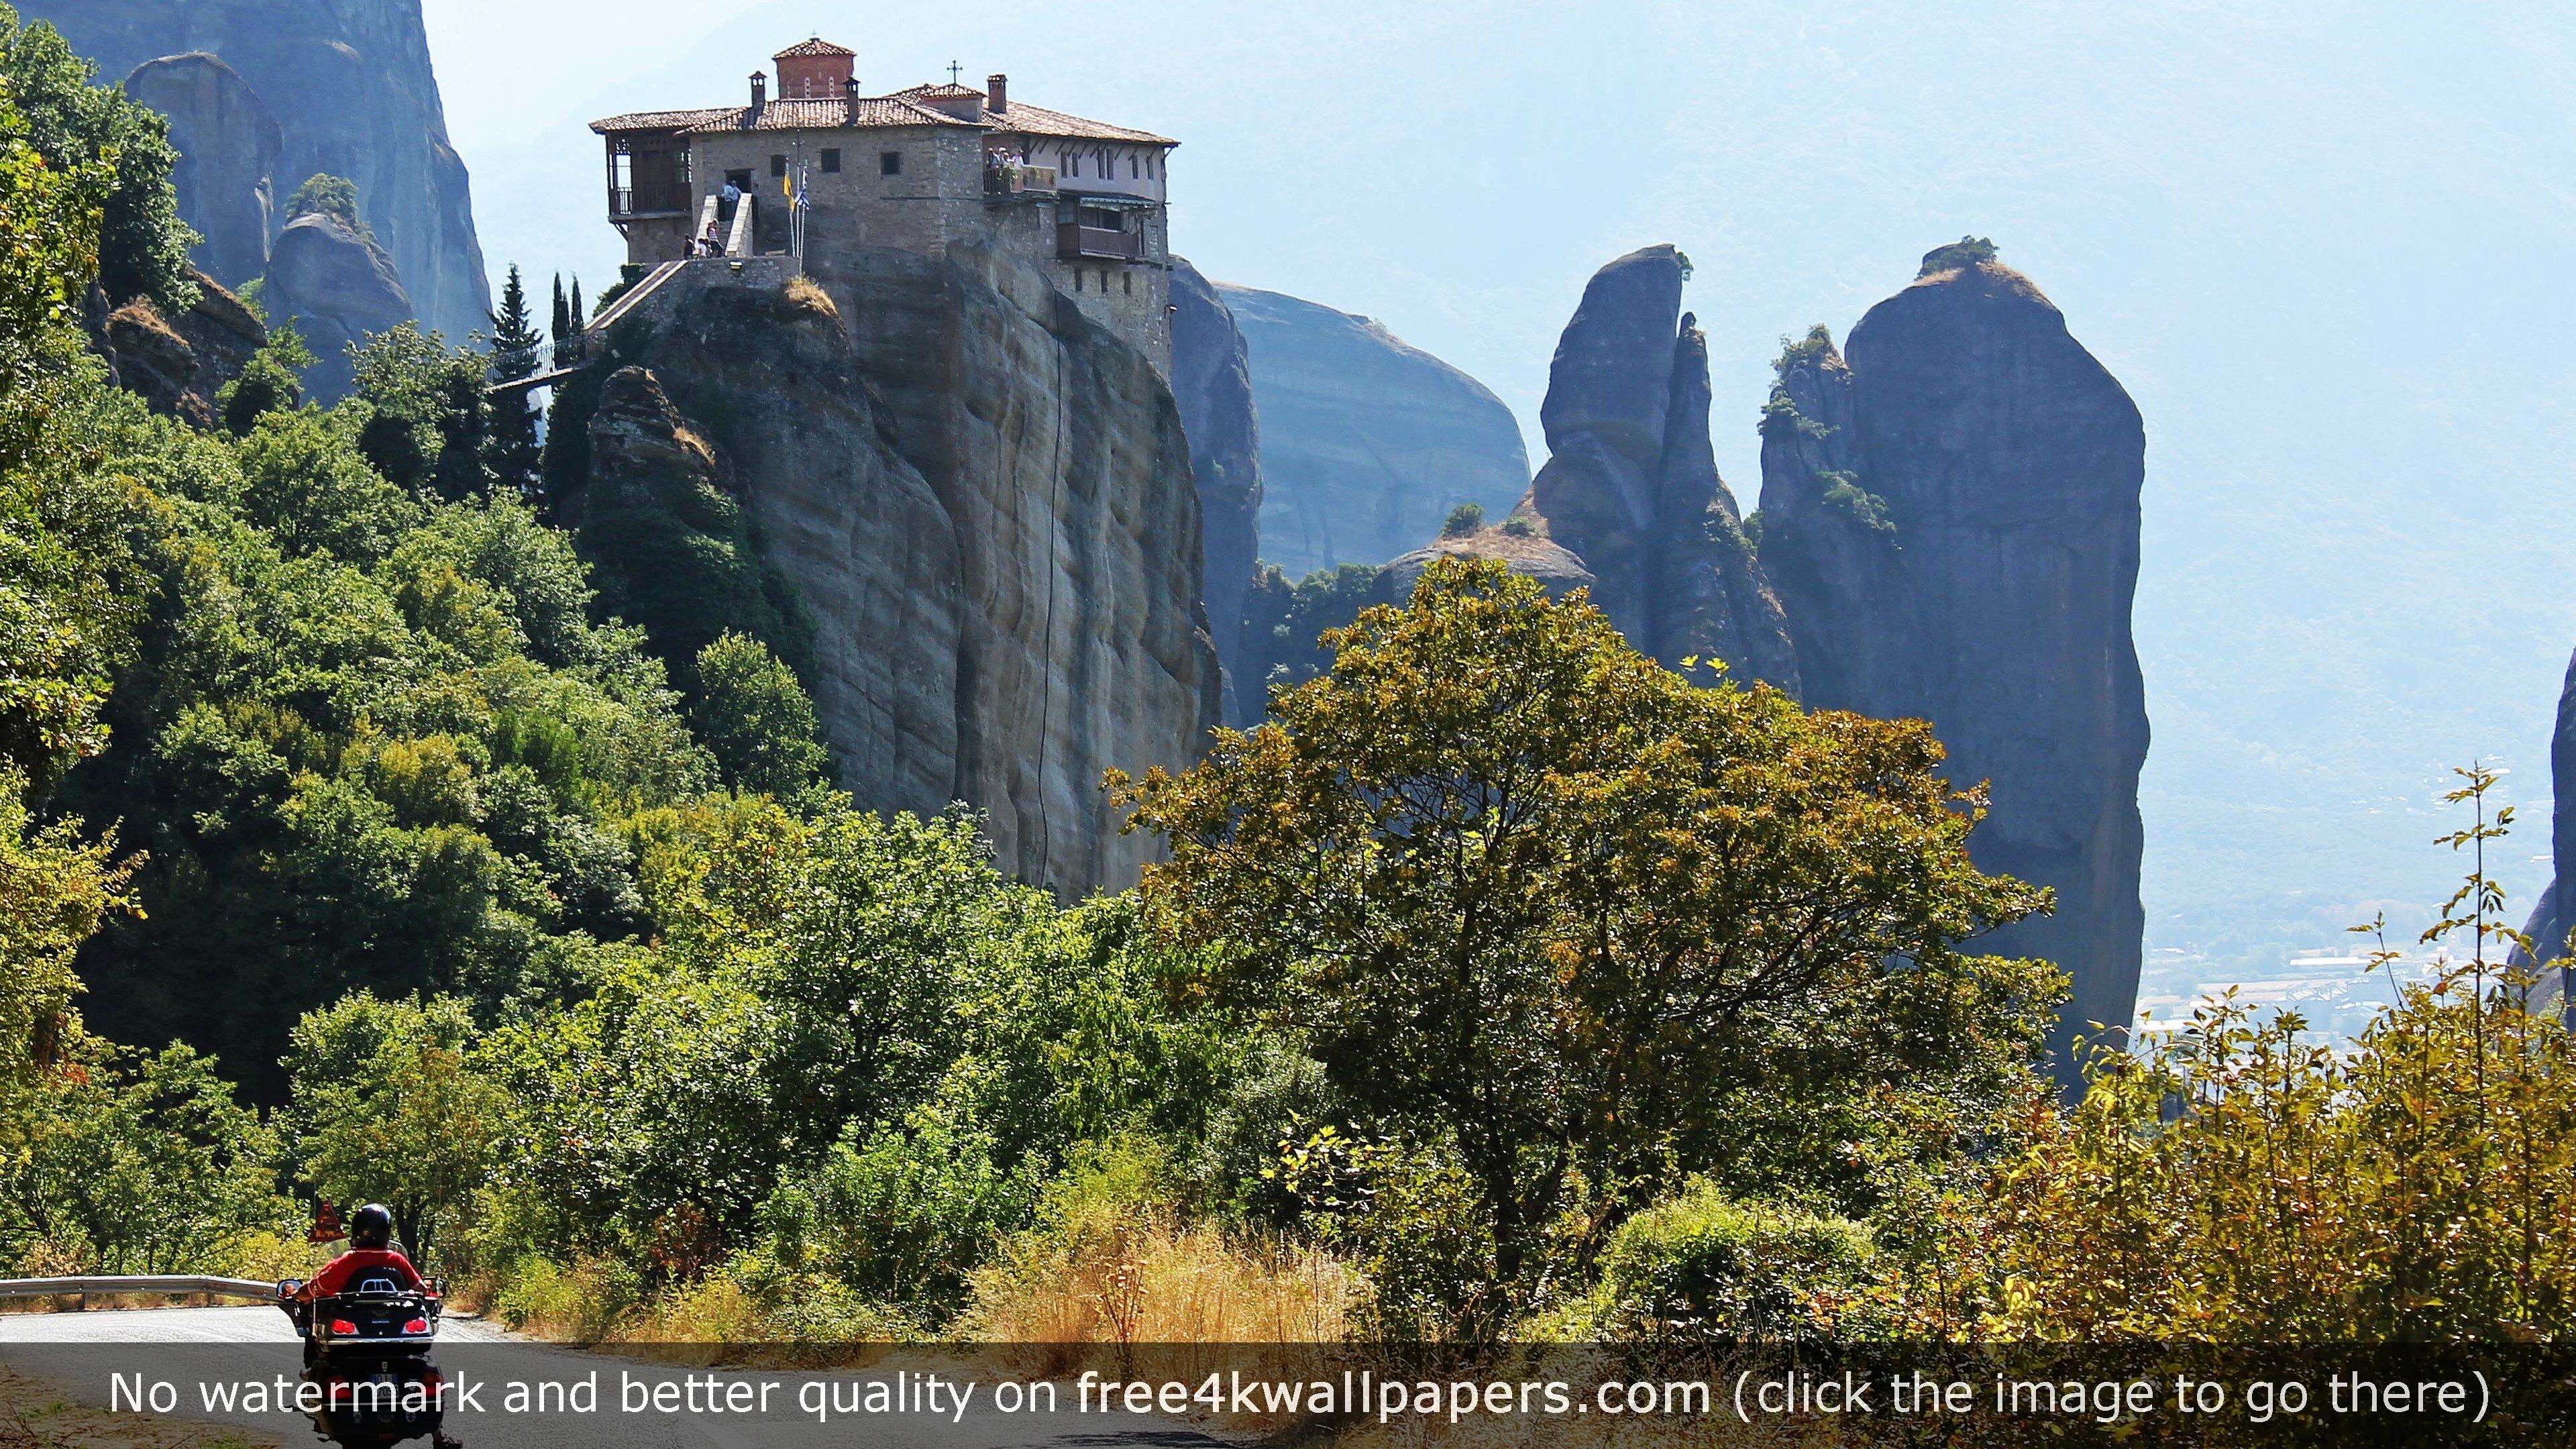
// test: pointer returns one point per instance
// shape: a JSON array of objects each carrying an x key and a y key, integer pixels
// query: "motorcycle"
[{"x": 375, "y": 1316}]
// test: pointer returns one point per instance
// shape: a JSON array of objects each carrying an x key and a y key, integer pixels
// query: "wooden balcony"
[
  {"x": 1073, "y": 240},
  {"x": 625, "y": 205}
]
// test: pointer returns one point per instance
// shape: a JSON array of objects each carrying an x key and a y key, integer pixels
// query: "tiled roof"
[
  {"x": 785, "y": 115},
  {"x": 1039, "y": 121},
  {"x": 904, "y": 108},
  {"x": 816, "y": 46}
]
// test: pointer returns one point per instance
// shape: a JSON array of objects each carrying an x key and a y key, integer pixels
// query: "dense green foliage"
[{"x": 120, "y": 151}]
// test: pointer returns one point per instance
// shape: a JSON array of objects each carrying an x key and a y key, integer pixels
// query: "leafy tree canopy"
[{"x": 1539, "y": 904}]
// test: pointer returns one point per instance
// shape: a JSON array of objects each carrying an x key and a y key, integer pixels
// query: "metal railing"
[{"x": 137, "y": 1283}]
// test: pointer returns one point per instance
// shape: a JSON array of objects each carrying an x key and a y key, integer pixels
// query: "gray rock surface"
[
  {"x": 230, "y": 150},
  {"x": 1631, "y": 484},
  {"x": 1951, "y": 518},
  {"x": 2553, "y": 915},
  {"x": 986, "y": 505},
  {"x": 338, "y": 287},
  {"x": 350, "y": 85},
  {"x": 1366, "y": 442},
  {"x": 1212, "y": 383}
]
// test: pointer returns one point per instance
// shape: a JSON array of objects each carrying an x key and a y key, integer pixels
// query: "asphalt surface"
[{"x": 184, "y": 1353}]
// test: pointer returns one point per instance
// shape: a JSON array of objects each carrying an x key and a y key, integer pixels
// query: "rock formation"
[
  {"x": 2554, "y": 914},
  {"x": 1212, "y": 383},
  {"x": 1366, "y": 443},
  {"x": 338, "y": 287},
  {"x": 230, "y": 150},
  {"x": 985, "y": 504},
  {"x": 177, "y": 367},
  {"x": 350, "y": 86},
  {"x": 1950, "y": 517},
  {"x": 1631, "y": 484}
]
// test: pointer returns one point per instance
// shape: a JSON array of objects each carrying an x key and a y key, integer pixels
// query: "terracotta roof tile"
[
  {"x": 816, "y": 46},
  {"x": 903, "y": 108},
  {"x": 1039, "y": 121}
]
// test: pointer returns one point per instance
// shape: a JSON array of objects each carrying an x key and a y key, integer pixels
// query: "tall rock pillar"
[{"x": 1950, "y": 516}]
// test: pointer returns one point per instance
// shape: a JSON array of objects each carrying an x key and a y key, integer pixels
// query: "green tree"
[
  {"x": 85, "y": 130},
  {"x": 563, "y": 328},
  {"x": 423, "y": 419},
  {"x": 332, "y": 196},
  {"x": 135, "y": 1162},
  {"x": 511, "y": 449},
  {"x": 271, "y": 382},
  {"x": 388, "y": 1108},
  {"x": 54, "y": 890},
  {"x": 754, "y": 717},
  {"x": 1535, "y": 901}
]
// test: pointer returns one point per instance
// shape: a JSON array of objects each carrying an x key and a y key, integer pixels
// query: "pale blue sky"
[{"x": 2325, "y": 246}]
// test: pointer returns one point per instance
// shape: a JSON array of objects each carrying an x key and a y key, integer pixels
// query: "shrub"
[
  {"x": 1966, "y": 252},
  {"x": 582, "y": 1303},
  {"x": 1699, "y": 1266},
  {"x": 1464, "y": 519},
  {"x": 1521, "y": 525},
  {"x": 332, "y": 196}
]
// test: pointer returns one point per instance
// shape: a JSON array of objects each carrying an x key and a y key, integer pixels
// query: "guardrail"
[{"x": 131, "y": 1283}]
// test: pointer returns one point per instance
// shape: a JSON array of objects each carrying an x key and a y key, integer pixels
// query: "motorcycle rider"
[{"x": 371, "y": 1231}]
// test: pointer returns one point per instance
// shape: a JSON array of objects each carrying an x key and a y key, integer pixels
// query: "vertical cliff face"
[
  {"x": 1212, "y": 383},
  {"x": 1951, "y": 519},
  {"x": 230, "y": 149},
  {"x": 350, "y": 86},
  {"x": 1366, "y": 443},
  {"x": 1631, "y": 485},
  {"x": 338, "y": 287},
  {"x": 2554, "y": 914},
  {"x": 985, "y": 505}
]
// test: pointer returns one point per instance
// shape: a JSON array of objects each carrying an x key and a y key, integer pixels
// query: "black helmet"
[{"x": 371, "y": 1226}]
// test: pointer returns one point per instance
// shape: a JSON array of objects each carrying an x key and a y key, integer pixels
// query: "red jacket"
[{"x": 335, "y": 1278}]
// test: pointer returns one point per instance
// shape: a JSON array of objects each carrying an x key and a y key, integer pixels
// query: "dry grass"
[
  {"x": 1089, "y": 1296},
  {"x": 805, "y": 292}
]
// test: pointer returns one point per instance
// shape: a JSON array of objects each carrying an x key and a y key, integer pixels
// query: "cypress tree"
[
  {"x": 580, "y": 319},
  {"x": 563, "y": 312},
  {"x": 510, "y": 445}
]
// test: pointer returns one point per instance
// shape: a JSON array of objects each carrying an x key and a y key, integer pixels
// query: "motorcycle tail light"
[
  {"x": 417, "y": 1325},
  {"x": 342, "y": 1325}
]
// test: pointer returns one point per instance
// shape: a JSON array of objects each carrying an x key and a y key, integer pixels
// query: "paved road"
[{"x": 191, "y": 1349}]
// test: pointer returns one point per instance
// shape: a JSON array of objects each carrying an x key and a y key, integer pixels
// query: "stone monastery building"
[{"x": 821, "y": 167}]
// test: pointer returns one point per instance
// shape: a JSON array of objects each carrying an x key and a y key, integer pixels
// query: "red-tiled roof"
[
  {"x": 816, "y": 46},
  {"x": 822, "y": 114},
  {"x": 903, "y": 108},
  {"x": 1032, "y": 120}
]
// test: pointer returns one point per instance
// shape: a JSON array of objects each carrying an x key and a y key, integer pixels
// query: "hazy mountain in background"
[{"x": 2323, "y": 246}]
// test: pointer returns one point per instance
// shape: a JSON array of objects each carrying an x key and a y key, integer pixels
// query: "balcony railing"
[
  {"x": 1018, "y": 180},
  {"x": 622, "y": 207},
  {"x": 1075, "y": 240}
]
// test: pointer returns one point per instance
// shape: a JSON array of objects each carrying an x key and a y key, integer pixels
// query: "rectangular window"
[
  {"x": 831, "y": 160},
  {"x": 777, "y": 167},
  {"x": 1077, "y": 279},
  {"x": 1127, "y": 280},
  {"x": 1133, "y": 170},
  {"x": 890, "y": 163},
  {"x": 1102, "y": 218}
]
